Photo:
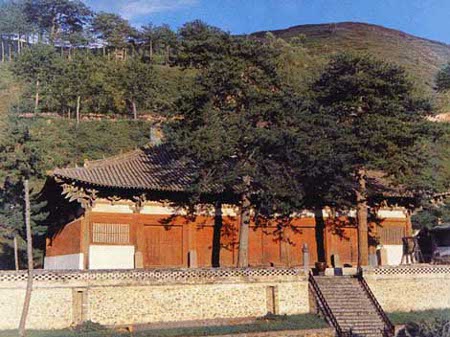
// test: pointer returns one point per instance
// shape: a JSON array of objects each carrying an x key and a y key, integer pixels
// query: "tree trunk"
[
  {"x": 244, "y": 231},
  {"x": 320, "y": 233},
  {"x": 36, "y": 99},
  {"x": 151, "y": 50},
  {"x": 216, "y": 245},
  {"x": 167, "y": 54},
  {"x": 26, "y": 304},
  {"x": 78, "y": 110},
  {"x": 16, "y": 253},
  {"x": 3, "y": 51},
  {"x": 53, "y": 31},
  {"x": 361, "y": 215},
  {"x": 133, "y": 106}
]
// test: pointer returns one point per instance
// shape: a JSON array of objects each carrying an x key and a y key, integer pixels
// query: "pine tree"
[
  {"x": 201, "y": 44},
  {"x": 232, "y": 126},
  {"x": 379, "y": 123}
]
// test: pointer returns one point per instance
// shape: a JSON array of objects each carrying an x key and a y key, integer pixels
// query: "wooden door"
[
  {"x": 271, "y": 247},
  {"x": 345, "y": 244},
  {"x": 164, "y": 246}
]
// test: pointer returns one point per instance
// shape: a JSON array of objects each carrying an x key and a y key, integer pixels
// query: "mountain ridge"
[
  {"x": 421, "y": 57},
  {"x": 354, "y": 23}
]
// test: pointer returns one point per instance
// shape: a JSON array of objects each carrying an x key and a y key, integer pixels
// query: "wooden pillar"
[
  {"x": 284, "y": 253},
  {"x": 85, "y": 238},
  {"x": 408, "y": 227},
  {"x": 190, "y": 251},
  {"x": 327, "y": 240},
  {"x": 138, "y": 228}
]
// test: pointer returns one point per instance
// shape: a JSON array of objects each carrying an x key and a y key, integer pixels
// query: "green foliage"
[
  {"x": 57, "y": 16},
  {"x": 443, "y": 78},
  {"x": 32, "y": 148},
  {"x": 136, "y": 83},
  {"x": 89, "y": 327},
  {"x": 432, "y": 215},
  {"x": 13, "y": 19},
  {"x": 103, "y": 85},
  {"x": 232, "y": 125},
  {"x": 160, "y": 40},
  {"x": 438, "y": 328},
  {"x": 112, "y": 28},
  {"x": 381, "y": 124},
  {"x": 419, "y": 316},
  {"x": 294, "y": 322},
  {"x": 326, "y": 40},
  {"x": 37, "y": 63},
  {"x": 201, "y": 44}
]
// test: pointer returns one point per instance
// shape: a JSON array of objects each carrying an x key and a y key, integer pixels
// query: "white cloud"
[{"x": 134, "y": 8}]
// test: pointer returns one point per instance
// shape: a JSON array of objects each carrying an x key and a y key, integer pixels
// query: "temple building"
[{"x": 130, "y": 211}]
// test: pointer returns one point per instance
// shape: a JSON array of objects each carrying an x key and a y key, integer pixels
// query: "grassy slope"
[
  {"x": 279, "y": 323},
  {"x": 421, "y": 57},
  {"x": 9, "y": 93},
  {"x": 295, "y": 322},
  {"x": 428, "y": 316}
]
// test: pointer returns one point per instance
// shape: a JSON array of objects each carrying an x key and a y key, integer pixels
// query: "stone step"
[
  {"x": 351, "y": 306},
  {"x": 333, "y": 283},
  {"x": 377, "y": 325},
  {"x": 361, "y": 311},
  {"x": 347, "y": 299},
  {"x": 360, "y": 319},
  {"x": 354, "y": 315},
  {"x": 347, "y": 291}
]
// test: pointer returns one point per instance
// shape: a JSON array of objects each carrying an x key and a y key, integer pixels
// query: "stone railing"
[
  {"x": 415, "y": 269},
  {"x": 154, "y": 275}
]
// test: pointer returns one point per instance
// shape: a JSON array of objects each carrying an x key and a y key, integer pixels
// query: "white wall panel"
[
  {"x": 111, "y": 257},
  {"x": 61, "y": 262}
]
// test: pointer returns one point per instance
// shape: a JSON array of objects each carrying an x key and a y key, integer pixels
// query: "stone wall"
[
  {"x": 136, "y": 297},
  {"x": 410, "y": 288},
  {"x": 61, "y": 299}
]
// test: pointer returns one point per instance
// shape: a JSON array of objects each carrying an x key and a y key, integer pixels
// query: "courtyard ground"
[{"x": 274, "y": 323}]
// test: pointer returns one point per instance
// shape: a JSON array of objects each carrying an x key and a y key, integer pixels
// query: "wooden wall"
[
  {"x": 168, "y": 241},
  {"x": 165, "y": 241},
  {"x": 65, "y": 242}
]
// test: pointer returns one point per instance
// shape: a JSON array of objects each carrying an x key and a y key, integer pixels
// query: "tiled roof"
[
  {"x": 160, "y": 169},
  {"x": 151, "y": 168}
]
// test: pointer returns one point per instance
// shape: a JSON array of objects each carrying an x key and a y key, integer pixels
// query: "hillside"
[{"x": 422, "y": 57}]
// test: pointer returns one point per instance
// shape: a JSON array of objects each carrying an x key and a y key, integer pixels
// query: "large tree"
[
  {"x": 57, "y": 17},
  {"x": 201, "y": 44},
  {"x": 14, "y": 25},
  {"x": 113, "y": 29},
  {"x": 380, "y": 125},
  {"x": 232, "y": 125},
  {"x": 136, "y": 81},
  {"x": 443, "y": 78},
  {"x": 37, "y": 65}
]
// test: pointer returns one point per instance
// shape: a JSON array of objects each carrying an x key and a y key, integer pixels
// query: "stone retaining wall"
[
  {"x": 61, "y": 299},
  {"x": 410, "y": 288},
  {"x": 136, "y": 297}
]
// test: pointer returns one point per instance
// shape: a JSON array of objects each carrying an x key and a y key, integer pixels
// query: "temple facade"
[{"x": 130, "y": 211}]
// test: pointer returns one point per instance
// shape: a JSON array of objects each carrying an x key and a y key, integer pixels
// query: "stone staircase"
[{"x": 349, "y": 305}]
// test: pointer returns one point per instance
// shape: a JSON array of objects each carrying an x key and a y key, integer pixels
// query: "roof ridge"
[{"x": 113, "y": 159}]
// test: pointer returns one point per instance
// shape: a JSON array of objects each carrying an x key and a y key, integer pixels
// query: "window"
[
  {"x": 391, "y": 235},
  {"x": 111, "y": 233}
]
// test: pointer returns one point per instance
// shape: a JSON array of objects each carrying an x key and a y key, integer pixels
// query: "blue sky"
[{"x": 425, "y": 18}]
